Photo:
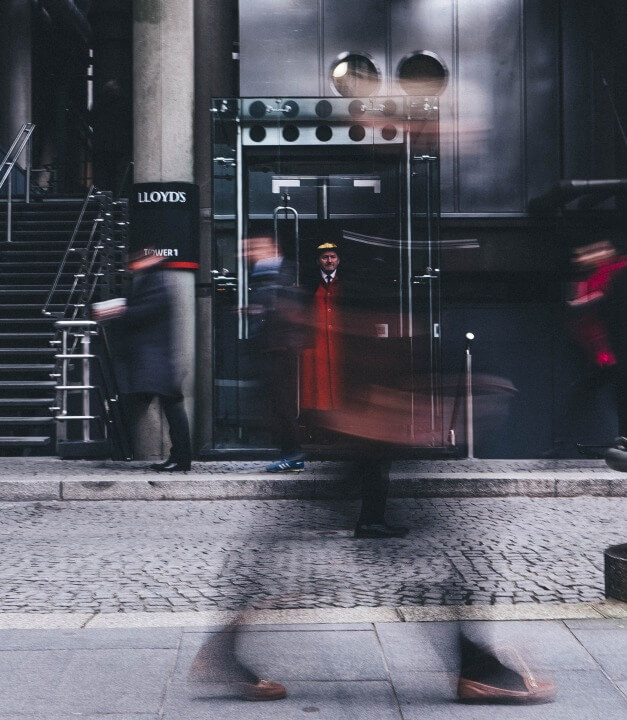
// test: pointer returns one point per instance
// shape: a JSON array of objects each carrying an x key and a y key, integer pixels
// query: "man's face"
[{"x": 328, "y": 261}]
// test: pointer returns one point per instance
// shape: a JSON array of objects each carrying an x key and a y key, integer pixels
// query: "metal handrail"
[
  {"x": 21, "y": 141},
  {"x": 464, "y": 389},
  {"x": 68, "y": 250},
  {"x": 109, "y": 396}
]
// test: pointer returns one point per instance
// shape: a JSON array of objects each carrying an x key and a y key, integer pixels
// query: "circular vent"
[
  {"x": 355, "y": 74},
  {"x": 422, "y": 73}
]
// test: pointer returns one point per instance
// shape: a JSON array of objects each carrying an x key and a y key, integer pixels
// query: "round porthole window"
[
  {"x": 354, "y": 74},
  {"x": 257, "y": 133},
  {"x": 422, "y": 73}
]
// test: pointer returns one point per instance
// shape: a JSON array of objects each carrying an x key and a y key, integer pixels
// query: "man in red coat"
[
  {"x": 328, "y": 380},
  {"x": 321, "y": 364}
]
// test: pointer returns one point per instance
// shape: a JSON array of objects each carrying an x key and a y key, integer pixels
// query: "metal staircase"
[{"x": 52, "y": 268}]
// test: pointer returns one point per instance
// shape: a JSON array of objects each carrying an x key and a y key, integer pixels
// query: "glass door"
[{"x": 361, "y": 174}]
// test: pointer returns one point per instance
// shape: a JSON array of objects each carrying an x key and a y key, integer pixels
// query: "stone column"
[
  {"x": 163, "y": 150},
  {"x": 216, "y": 76},
  {"x": 16, "y": 63}
]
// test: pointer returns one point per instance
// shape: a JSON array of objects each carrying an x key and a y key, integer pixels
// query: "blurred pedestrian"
[
  {"x": 336, "y": 368},
  {"x": 276, "y": 330},
  {"x": 145, "y": 338}
]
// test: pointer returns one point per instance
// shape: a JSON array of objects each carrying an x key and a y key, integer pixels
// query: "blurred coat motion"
[
  {"x": 146, "y": 355},
  {"x": 277, "y": 331},
  {"x": 596, "y": 267}
]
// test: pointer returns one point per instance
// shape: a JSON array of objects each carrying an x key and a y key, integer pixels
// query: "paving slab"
[
  {"x": 133, "y": 638},
  {"x": 369, "y": 700},
  {"x": 79, "y": 682},
  {"x": 295, "y": 655},
  {"x": 581, "y": 695},
  {"x": 545, "y": 645},
  {"x": 608, "y": 648}
]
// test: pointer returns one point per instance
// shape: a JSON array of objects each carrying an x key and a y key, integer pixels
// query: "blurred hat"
[{"x": 326, "y": 246}]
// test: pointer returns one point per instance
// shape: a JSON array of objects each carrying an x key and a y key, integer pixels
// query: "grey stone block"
[
  {"x": 580, "y": 696},
  {"x": 609, "y": 649},
  {"x": 90, "y": 639},
  {"x": 308, "y": 656},
  {"x": 29, "y": 490},
  {"x": 600, "y": 487},
  {"x": 328, "y": 700},
  {"x": 432, "y": 646},
  {"x": 114, "y": 681}
]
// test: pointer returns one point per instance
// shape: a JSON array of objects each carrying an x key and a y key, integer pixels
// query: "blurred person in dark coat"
[
  {"x": 277, "y": 333},
  {"x": 145, "y": 339}
]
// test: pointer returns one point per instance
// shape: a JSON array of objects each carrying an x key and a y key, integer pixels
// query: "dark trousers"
[
  {"x": 373, "y": 471},
  {"x": 178, "y": 424},
  {"x": 281, "y": 387}
]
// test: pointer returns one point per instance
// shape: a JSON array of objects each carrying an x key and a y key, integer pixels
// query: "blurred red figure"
[{"x": 588, "y": 323}]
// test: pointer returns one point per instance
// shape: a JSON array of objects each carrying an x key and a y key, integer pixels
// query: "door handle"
[{"x": 429, "y": 274}]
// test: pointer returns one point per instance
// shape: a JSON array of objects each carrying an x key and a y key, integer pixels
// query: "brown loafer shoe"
[
  {"x": 536, "y": 692},
  {"x": 262, "y": 690}
]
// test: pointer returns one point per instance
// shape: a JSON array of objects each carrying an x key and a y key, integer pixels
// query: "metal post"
[
  {"x": 9, "y": 206},
  {"x": 86, "y": 410},
  {"x": 29, "y": 162},
  {"x": 64, "y": 373},
  {"x": 470, "y": 430}
]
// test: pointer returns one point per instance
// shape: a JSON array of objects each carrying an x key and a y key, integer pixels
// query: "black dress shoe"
[
  {"x": 380, "y": 531},
  {"x": 171, "y": 466}
]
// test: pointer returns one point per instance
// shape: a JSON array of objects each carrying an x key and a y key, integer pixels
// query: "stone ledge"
[{"x": 330, "y": 616}]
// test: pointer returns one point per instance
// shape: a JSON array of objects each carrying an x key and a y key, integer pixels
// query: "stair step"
[
  {"x": 26, "y": 384},
  {"x": 25, "y": 441},
  {"x": 48, "y": 420},
  {"x": 4, "y": 367},
  {"x": 25, "y": 402},
  {"x": 29, "y": 336},
  {"x": 28, "y": 350}
]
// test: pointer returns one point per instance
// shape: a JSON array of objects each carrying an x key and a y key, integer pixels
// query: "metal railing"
[
  {"x": 93, "y": 264},
  {"x": 99, "y": 412},
  {"x": 465, "y": 391},
  {"x": 9, "y": 162}
]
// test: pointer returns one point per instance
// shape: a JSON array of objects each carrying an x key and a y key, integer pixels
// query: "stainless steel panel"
[
  {"x": 490, "y": 106},
  {"x": 390, "y": 133},
  {"x": 429, "y": 25},
  {"x": 578, "y": 78},
  {"x": 360, "y": 197},
  {"x": 296, "y": 121},
  {"x": 279, "y": 48},
  {"x": 265, "y": 194},
  {"x": 359, "y": 26},
  {"x": 542, "y": 96}
]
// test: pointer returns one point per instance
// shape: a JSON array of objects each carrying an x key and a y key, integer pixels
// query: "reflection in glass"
[
  {"x": 354, "y": 75},
  {"x": 422, "y": 73}
]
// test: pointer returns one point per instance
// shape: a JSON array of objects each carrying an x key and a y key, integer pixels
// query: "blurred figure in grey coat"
[{"x": 144, "y": 326}]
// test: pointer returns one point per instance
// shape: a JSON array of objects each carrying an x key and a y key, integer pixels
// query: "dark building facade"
[{"x": 435, "y": 138}]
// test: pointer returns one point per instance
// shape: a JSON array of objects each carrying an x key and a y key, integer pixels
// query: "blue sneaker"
[{"x": 287, "y": 464}]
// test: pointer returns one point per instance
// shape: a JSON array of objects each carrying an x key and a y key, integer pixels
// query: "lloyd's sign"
[{"x": 164, "y": 220}]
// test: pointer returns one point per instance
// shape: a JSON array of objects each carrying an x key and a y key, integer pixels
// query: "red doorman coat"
[{"x": 321, "y": 381}]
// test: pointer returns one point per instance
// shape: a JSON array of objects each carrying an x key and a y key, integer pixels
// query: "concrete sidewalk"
[
  {"x": 29, "y": 479},
  {"x": 371, "y": 666}
]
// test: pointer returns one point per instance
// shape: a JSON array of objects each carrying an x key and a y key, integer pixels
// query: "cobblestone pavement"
[{"x": 153, "y": 556}]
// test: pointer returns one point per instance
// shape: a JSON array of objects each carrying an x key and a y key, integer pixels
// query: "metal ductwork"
[
  {"x": 70, "y": 13},
  {"x": 595, "y": 191},
  {"x": 330, "y": 121}
]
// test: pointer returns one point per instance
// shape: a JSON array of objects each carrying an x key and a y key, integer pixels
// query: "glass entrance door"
[{"x": 362, "y": 174}]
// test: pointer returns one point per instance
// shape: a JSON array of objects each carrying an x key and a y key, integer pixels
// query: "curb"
[
  {"x": 307, "y": 486},
  {"x": 332, "y": 616}
]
